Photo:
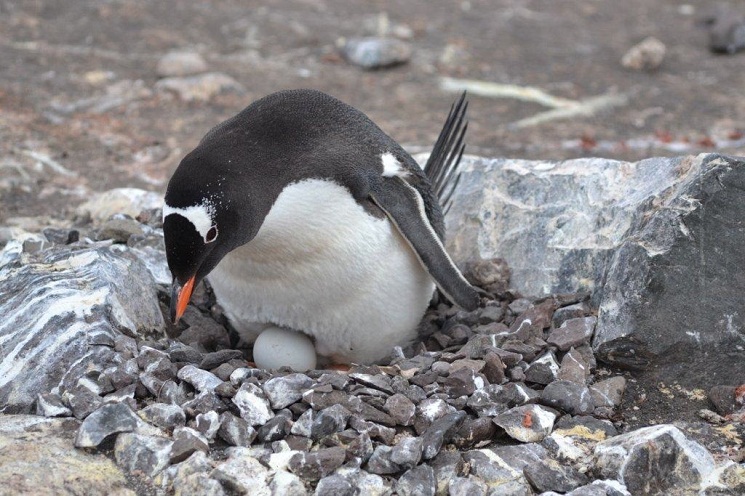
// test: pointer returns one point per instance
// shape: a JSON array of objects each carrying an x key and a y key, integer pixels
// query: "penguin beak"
[{"x": 180, "y": 296}]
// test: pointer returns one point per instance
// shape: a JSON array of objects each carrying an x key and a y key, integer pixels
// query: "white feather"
[
  {"x": 391, "y": 166},
  {"x": 322, "y": 265}
]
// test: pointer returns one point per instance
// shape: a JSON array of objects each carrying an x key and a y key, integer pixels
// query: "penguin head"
[{"x": 205, "y": 216}]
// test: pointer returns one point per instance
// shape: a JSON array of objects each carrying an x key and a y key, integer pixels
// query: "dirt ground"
[
  {"x": 79, "y": 111},
  {"x": 58, "y": 55}
]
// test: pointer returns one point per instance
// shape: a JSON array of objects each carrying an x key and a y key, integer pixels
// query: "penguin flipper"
[{"x": 404, "y": 206}]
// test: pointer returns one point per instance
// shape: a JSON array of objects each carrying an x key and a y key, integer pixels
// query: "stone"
[
  {"x": 543, "y": 370},
  {"x": 82, "y": 401},
  {"x": 550, "y": 475},
  {"x": 317, "y": 464},
  {"x": 463, "y": 382},
  {"x": 440, "y": 432},
  {"x": 494, "y": 368},
  {"x": 375, "y": 53},
  {"x": 723, "y": 399},
  {"x": 180, "y": 63},
  {"x": 335, "y": 484},
  {"x": 242, "y": 473},
  {"x": 608, "y": 392},
  {"x": 600, "y": 488},
  {"x": 50, "y": 405},
  {"x": 494, "y": 470},
  {"x": 38, "y": 457},
  {"x": 217, "y": 358},
  {"x": 419, "y": 481},
  {"x": 492, "y": 275},
  {"x": 187, "y": 441},
  {"x": 276, "y": 428},
  {"x": 489, "y": 401},
  {"x": 646, "y": 55},
  {"x": 574, "y": 368},
  {"x": 285, "y": 483},
  {"x": 380, "y": 461},
  {"x": 200, "y": 484},
  {"x": 235, "y": 431},
  {"x": 91, "y": 292},
  {"x": 654, "y": 460},
  {"x": 328, "y": 421},
  {"x": 321, "y": 400},
  {"x": 726, "y": 28},
  {"x": 165, "y": 416},
  {"x": 119, "y": 230},
  {"x": 202, "y": 380},
  {"x": 527, "y": 424},
  {"x": 574, "y": 311},
  {"x": 200, "y": 87},
  {"x": 180, "y": 352},
  {"x": 204, "y": 403},
  {"x": 407, "y": 453},
  {"x": 253, "y": 405},
  {"x": 286, "y": 390},
  {"x": 474, "y": 433},
  {"x": 400, "y": 408},
  {"x": 573, "y": 333},
  {"x": 127, "y": 201},
  {"x": 143, "y": 454},
  {"x": 467, "y": 486},
  {"x": 104, "y": 422},
  {"x": 568, "y": 396}
]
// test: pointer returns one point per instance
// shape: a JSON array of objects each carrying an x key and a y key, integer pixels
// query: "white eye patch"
[{"x": 199, "y": 215}]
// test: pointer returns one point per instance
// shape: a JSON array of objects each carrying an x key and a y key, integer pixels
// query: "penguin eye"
[{"x": 211, "y": 235}]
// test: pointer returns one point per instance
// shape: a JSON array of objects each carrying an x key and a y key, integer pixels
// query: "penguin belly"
[{"x": 323, "y": 265}]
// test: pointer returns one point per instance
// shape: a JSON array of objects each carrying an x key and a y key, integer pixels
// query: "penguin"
[{"x": 303, "y": 214}]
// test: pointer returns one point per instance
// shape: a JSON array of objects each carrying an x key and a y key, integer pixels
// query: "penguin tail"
[{"x": 442, "y": 166}]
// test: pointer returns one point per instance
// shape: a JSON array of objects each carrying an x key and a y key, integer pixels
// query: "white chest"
[{"x": 322, "y": 265}]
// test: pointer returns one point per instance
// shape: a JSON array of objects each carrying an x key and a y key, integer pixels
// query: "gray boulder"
[
  {"x": 62, "y": 309},
  {"x": 658, "y": 243}
]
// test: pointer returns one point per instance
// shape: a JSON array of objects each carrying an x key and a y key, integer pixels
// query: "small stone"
[
  {"x": 286, "y": 390},
  {"x": 463, "y": 382},
  {"x": 543, "y": 370},
  {"x": 467, "y": 486},
  {"x": 380, "y": 461},
  {"x": 173, "y": 393},
  {"x": 144, "y": 454},
  {"x": 573, "y": 333},
  {"x": 253, "y": 405},
  {"x": 102, "y": 423},
  {"x": 646, "y": 55},
  {"x": 180, "y": 64},
  {"x": 216, "y": 358},
  {"x": 201, "y": 87},
  {"x": 119, "y": 230},
  {"x": 608, "y": 392},
  {"x": 204, "y": 403},
  {"x": 180, "y": 352},
  {"x": 379, "y": 382},
  {"x": 50, "y": 405},
  {"x": 550, "y": 475},
  {"x": 440, "y": 432},
  {"x": 419, "y": 481},
  {"x": 531, "y": 322},
  {"x": 242, "y": 473},
  {"x": 284, "y": 483},
  {"x": 401, "y": 408},
  {"x": 82, "y": 401},
  {"x": 375, "y": 53},
  {"x": 208, "y": 424},
  {"x": 163, "y": 415},
  {"x": 187, "y": 441},
  {"x": 329, "y": 420},
  {"x": 492, "y": 275},
  {"x": 225, "y": 390},
  {"x": 235, "y": 431},
  {"x": 568, "y": 396},
  {"x": 490, "y": 313},
  {"x": 474, "y": 433},
  {"x": 527, "y": 424},
  {"x": 375, "y": 431},
  {"x": 654, "y": 460},
  {"x": 575, "y": 311},
  {"x": 276, "y": 428},
  {"x": 496, "y": 471},
  {"x": 317, "y": 464},
  {"x": 123, "y": 374},
  {"x": 321, "y": 400},
  {"x": 156, "y": 371},
  {"x": 407, "y": 453},
  {"x": 574, "y": 368},
  {"x": 336, "y": 485},
  {"x": 494, "y": 368},
  {"x": 200, "y": 484},
  {"x": 200, "y": 379},
  {"x": 723, "y": 399},
  {"x": 61, "y": 236},
  {"x": 489, "y": 401}
]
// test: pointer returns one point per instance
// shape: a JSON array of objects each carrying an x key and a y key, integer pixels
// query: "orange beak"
[{"x": 180, "y": 296}]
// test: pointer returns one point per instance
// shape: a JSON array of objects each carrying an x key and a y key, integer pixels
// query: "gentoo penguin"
[{"x": 303, "y": 214}]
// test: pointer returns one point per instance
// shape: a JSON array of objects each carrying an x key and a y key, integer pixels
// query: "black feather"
[{"x": 442, "y": 165}]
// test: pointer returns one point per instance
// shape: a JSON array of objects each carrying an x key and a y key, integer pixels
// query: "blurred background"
[{"x": 102, "y": 94}]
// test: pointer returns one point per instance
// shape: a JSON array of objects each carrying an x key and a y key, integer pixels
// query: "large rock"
[
  {"x": 657, "y": 242},
  {"x": 61, "y": 311},
  {"x": 37, "y": 457}
]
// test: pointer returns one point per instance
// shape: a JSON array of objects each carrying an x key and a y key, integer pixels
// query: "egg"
[{"x": 280, "y": 347}]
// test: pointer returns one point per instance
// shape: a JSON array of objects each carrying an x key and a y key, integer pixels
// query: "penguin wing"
[{"x": 404, "y": 206}]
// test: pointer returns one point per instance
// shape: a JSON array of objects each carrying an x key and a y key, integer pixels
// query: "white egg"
[{"x": 279, "y": 347}]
